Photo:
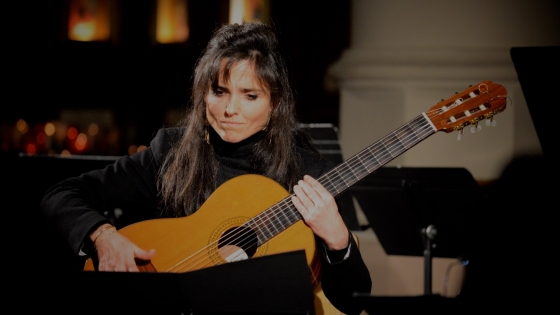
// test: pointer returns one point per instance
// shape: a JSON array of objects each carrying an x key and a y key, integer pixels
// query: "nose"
[{"x": 232, "y": 106}]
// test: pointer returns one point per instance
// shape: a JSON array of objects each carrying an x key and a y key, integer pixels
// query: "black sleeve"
[
  {"x": 341, "y": 279},
  {"x": 77, "y": 205}
]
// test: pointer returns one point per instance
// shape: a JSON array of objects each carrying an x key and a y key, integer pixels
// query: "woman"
[{"x": 241, "y": 121}]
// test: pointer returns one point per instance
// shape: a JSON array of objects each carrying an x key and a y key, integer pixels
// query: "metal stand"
[
  {"x": 428, "y": 234},
  {"x": 407, "y": 208}
]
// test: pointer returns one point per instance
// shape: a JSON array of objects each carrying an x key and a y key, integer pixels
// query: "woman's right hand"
[{"x": 115, "y": 252}]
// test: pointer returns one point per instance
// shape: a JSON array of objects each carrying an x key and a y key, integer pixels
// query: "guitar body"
[{"x": 191, "y": 243}]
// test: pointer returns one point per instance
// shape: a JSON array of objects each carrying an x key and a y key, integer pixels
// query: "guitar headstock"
[{"x": 476, "y": 103}]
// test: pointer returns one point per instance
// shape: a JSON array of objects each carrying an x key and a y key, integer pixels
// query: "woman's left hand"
[{"x": 319, "y": 211}]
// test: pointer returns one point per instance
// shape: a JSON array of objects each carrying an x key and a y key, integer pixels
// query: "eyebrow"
[
  {"x": 252, "y": 90},
  {"x": 244, "y": 90}
]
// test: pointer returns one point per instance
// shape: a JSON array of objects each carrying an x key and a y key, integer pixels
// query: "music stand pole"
[{"x": 428, "y": 235}]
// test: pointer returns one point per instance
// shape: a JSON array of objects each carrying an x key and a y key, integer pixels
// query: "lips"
[{"x": 231, "y": 124}]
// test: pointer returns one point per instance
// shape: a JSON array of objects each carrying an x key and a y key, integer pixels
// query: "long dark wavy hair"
[{"x": 190, "y": 172}]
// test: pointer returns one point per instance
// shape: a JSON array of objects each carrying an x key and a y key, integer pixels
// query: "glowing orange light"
[
  {"x": 142, "y": 148},
  {"x": 172, "y": 21},
  {"x": 93, "y": 129},
  {"x": 49, "y": 129},
  {"x": 61, "y": 131},
  {"x": 41, "y": 138},
  {"x": 65, "y": 153},
  {"x": 31, "y": 149},
  {"x": 72, "y": 133},
  {"x": 89, "y": 20},
  {"x": 81, "y": 142},
  {"x": 22, "y": 126},
  {"x": 132, "y": 149}
]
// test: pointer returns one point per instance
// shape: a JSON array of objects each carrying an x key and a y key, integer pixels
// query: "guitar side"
[{"x": 191, "y": 243}]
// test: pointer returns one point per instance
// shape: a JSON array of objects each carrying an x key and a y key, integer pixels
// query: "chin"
[{"x": 232, "y": 139}]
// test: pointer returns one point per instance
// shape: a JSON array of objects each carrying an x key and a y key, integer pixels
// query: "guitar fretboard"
[{"x": 283, "y": 214}]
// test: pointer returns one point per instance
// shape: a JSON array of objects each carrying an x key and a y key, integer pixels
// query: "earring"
[{"x": 206, "y": 135}]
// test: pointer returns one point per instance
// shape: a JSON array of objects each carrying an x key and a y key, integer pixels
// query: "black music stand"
[
  {"x": 274, "y": 284},
  {"x": 420, "y": 211}
]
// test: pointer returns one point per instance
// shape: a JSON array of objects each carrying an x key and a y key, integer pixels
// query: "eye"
[
  {"x": 218, "y": 92},
  {"x": 252, "y": 97}
]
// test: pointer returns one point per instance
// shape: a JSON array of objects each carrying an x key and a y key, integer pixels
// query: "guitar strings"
[{"x": 293, "y": 216}]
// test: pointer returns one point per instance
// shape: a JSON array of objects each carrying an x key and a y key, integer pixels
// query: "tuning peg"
[
  {"x": 460, "y": 134},
  {"x": 476, "y": 128},
  {"x": 491, "y": 122}
]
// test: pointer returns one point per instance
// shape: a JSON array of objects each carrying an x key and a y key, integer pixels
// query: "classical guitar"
[{"x": 251, "y": 215}]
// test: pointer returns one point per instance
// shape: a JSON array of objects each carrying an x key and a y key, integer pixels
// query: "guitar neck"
[
  {"x": 283, "y": 214},
  {"x": 365, "y": 162}
]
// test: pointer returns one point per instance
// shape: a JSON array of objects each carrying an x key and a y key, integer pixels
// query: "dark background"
[{"x": 140, "y": 81}]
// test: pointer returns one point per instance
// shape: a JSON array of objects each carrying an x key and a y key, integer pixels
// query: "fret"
[
  {"x": 381, "y": 153},
  {"x": 360, "y": 169},
  {"x": 274, "y": 220},
  {"x": 373, "y": 161},
  {"x": 284, "y": 213},
  {"x": 423, "y": 129},
  {"x": 255, "y": 225},
  {"x": 337, "y": 180},
  {"x": 347, "y": 174},
  {"x": 268, "y": 224},
  {"x": 328, "y": 184},
  {"x": 393, "y": 145}
]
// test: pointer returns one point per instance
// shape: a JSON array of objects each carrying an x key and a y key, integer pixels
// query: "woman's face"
[{"x": 239, "y": 108}]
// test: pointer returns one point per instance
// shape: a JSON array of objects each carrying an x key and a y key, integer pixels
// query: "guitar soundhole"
[{"x": 238, "y": 243}]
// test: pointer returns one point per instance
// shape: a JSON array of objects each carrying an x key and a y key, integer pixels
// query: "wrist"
[{"x": 103, "y": 228}]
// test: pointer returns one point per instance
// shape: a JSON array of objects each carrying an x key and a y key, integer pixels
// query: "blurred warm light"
[
  {"x": 81, "y": 142},
  {"x": 142, "y": 148},
  {"x": 22, "y": 126},
  {"x": 49, "y": 129},
  {"x": 60, "y": 131},
  {"x": 172, "y": 21},
  {"x": 65, "y": 153},
  {"x": 248, "y": 11},
  {"x": 31, "y": 149},
  {"x": 132, "y": 149},
  {"x": 89, "y": 20},
  {"x": 72, "y": 133},
  {"x": 41, "y": 138},
  {"x": 93, "y": 129}
]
